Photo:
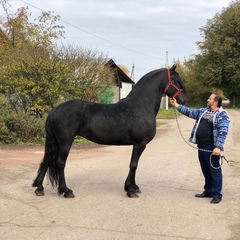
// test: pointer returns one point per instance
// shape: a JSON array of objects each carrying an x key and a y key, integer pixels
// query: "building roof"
[{"x": 119, "y": 75}]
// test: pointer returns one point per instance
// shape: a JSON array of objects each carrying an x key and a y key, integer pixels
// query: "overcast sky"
[{"x": 138, "y": 32}]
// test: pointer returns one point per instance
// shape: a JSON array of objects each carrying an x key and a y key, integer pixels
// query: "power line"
[{"x": 94, "y": 35}]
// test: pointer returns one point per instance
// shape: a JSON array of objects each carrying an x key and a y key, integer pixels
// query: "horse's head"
[{"x": 175, "y": 87}]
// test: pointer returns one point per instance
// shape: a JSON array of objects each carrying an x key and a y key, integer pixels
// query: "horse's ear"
[{"x": 173, "y": 67}]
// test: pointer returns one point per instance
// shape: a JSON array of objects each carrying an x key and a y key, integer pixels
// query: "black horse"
[{"x": 131, "y": 121}]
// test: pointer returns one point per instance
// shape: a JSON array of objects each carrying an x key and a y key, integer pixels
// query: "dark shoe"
[
  {"x": 215, "y": 200},
  {"x": 202, "y": 195}
]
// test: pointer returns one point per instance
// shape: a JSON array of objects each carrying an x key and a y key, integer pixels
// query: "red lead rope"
[{"x": 171, "y": 84}]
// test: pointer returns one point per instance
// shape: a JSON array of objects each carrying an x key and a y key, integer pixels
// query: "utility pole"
[
  {"x": 132, "y": 73},
  {"x": 166, "y": 67}
]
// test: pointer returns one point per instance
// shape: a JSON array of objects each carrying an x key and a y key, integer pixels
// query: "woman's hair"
[{"x": 218, "y": 99}]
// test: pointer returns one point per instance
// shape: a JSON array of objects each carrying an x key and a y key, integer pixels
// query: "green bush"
[{"x": 21, "y": 128}]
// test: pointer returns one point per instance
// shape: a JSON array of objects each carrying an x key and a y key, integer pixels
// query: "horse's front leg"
[{"x": 130, "y": 185}]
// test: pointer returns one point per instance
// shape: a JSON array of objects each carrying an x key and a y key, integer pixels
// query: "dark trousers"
[{"x": 213, "y": 177}]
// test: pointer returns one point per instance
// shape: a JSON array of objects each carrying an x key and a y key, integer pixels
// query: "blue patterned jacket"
[{"x": 220, "y": 124}]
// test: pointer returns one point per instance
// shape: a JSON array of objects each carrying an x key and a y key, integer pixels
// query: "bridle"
[{"x": 171, "y": 84}]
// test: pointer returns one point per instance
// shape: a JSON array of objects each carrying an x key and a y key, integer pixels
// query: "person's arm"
[
  {"x": 220, "y": 133},
  {"x": 192, "y": 113}
]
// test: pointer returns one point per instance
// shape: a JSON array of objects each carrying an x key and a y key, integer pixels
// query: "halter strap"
[{"x": 171, "y": 84}]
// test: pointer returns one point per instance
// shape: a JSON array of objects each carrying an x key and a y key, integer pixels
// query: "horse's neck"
[
  {"x": 155, "y": 107},
  {"x": 148, "y": 100},
  {"x": 147, "y": 93}
]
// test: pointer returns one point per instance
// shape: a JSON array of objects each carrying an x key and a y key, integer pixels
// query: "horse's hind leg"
[
  {"x": 61, "y": 162},
  {"x": 130, "y": 185},
  {"x": 38, "y": 182}
]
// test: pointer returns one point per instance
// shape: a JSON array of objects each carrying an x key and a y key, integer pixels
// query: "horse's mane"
[
  {"x": 144, "y": 83},
  {"x": 149, "y": 75}
]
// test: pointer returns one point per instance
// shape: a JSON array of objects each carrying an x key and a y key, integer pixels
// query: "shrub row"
[{"x": 21, "y": 127}]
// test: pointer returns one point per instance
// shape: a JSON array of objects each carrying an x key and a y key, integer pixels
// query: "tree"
[
  {"x": 20, "y": 31},
  {"x": 219, "y": 64},
  {"x": 27, "y": 51},
  {"x": 88, "y": 76},
  {"x": 124, "y": 69},
  {"x": 36, "y": 74},
  {"x": 197, "y": 94}
]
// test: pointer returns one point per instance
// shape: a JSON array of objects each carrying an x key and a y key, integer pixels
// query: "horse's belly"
[
  {"x": 108, "y": 138},
  {"x": 118, "y": 136}
]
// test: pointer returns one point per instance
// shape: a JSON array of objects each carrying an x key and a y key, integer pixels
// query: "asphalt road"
[{"x": 168, "y": 174}]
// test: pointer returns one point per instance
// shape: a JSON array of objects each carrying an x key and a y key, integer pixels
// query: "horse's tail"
[{"x": 49, "y": 161}]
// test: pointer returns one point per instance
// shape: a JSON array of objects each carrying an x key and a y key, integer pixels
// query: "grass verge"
[{"x": 167, "y": 114}]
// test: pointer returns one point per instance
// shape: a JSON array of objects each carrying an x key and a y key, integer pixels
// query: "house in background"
[{"x": 122, "y": 84}]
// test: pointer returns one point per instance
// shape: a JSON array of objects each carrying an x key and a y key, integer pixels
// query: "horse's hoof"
[
  {"x": 138, "y": 191},
  {"x": 132, "y": 195},
  {"x": 69, "y": 195},
  {"x": 39, "y": 193}
]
